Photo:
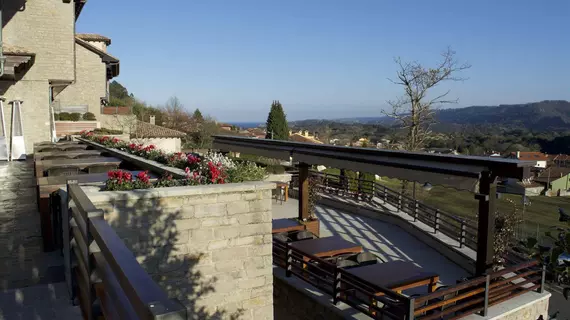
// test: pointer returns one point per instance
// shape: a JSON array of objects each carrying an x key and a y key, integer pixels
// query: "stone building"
[{"x": 47, "y": 64}]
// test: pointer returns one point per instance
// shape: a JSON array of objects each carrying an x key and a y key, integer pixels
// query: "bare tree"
[
  {"x": 414, "y": 110},
  {"x": 176, "y": 117}
]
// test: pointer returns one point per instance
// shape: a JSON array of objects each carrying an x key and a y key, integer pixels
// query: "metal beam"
[
  {"x": 303, "y": 191},
  {"x": 486, "y": 222}
]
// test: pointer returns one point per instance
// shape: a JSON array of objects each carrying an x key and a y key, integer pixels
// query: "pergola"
[{"x": 475, "y": 174}]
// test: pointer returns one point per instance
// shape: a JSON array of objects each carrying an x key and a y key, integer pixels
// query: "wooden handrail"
[{"x": 116, "y": 265}]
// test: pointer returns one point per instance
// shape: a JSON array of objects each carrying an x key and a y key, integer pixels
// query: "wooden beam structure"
[
  {"x": 303, "y": 191},
  {"x": 486, "y": 223}
]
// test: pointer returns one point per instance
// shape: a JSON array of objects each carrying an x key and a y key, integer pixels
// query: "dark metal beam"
[
  {"x": 303, "y": 191},
  {"x": 486, "y": 222}
]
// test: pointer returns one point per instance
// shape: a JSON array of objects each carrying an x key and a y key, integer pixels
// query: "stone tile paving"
[
  {"x": 31, "y": 284},
  {"x": 22, "y": 262},
  {"x": 383, "y": 239},
  {"x": 39, "y": 302}
]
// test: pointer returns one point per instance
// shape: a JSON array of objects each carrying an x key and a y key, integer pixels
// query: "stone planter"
[
  {"x": 313, "y": 225},
  {"x": 209, "y": 246}
]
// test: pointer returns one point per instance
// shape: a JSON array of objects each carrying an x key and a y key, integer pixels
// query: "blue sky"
[{"x": 329, "y": 58}]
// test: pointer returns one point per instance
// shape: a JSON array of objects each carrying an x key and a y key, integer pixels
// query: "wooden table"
[
  {"x": 396, "y": 275},
  {"x": 286, "y": 225},
  {"x": 43, "y": 165},
  {"x": 326, "y": 247},
  {"x": 60, "y": 147},
  {"x": 70, "y": 154}
]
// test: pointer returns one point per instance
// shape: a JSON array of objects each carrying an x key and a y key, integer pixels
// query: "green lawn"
[{"x": 541, "y": 214}]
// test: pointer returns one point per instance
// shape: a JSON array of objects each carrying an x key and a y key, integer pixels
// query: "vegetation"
[
  {"x": 88, "y": 116},
  {"x": 246, "y": 171},
  {"x": 277, "y": 127}
]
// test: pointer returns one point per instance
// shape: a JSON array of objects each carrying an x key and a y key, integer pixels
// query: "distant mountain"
[
  {"x": 544, "y": 115},
  {"x": 539, "y": 116}
]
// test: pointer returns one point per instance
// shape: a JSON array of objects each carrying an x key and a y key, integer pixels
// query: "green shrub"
[
  {"x": 106, "y": 131},
  {"x": 56, "y": 116},
  {"x": 75, "y": 116},
  {"x": 64, "y": 116},
  {"x": 246, "y": 171},
  {"x": 89, "y": 116}
]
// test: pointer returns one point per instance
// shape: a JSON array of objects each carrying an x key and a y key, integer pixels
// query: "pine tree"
[
  {"x": 198, "y": 115},
  {"x": 277, "y": 127}
]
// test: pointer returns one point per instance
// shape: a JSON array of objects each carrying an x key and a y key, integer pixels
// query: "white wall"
[
  {"x": 164, "y": 144},
  {"x": 540, "y": 164}
]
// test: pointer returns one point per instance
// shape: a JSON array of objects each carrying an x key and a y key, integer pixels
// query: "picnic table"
[
  {"x": 396, "y": 275},
  {"x": 326, "y": 247},
  {"x": 61, "y": 147},
  {"x": 43, "y": 165},
  {"x": 285, "y": 225},
  {"x": 70, "y": 154}
]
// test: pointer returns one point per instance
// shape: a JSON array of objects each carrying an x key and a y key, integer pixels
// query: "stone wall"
[
  {"x": 90, "y": 84},
  {"x": 45, "y": 28},
  {"x": 209, "y": 246}
]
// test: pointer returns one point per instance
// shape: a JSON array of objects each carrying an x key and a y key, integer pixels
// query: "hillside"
[
  {"x": 537, "y": 116},
  {"x": 544, "y": 115}
]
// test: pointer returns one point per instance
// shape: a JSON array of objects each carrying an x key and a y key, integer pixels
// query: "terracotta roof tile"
[
  {"x": 147, "y": 130},
  {"x": 300, "y": 138},
  {"x": 552, "y": 173},
  {"x": 531, "y": 156},
  {"x": 93, "y": 37}
]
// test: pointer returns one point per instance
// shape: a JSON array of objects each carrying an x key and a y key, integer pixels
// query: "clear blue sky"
[{"x": 329, "y": 58}]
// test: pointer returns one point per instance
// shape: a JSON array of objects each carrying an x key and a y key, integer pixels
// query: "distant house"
[
  {"x": 540, "y": 158},
  {"x": 559, "y": 160},
  {"x": 556, "y": 179},
  {"x": 303, "y": 136},
  {"x": 256, "y": 133},
  {"x": 225, "y": 126},
  {"x": 442, "y": 151},
  {"x": 148, "y": 133}
]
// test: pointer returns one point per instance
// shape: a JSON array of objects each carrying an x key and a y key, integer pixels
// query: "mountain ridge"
[{"x": 542, "y": 115}]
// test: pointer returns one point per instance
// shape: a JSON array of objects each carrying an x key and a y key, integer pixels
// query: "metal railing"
[
  {"x": 104, "y": 272},
  {"x": 460, "y": 229},
  {"x": 447, "y": 302}
]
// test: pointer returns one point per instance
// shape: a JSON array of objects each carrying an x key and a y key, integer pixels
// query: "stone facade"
[
  {"x": 47, "y": 29},
  {"x": 209, "y": 246},
  {"x": 90, "y": 84}
]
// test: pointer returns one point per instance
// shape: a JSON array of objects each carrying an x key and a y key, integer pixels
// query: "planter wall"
[{"x": 209, "y": 246}]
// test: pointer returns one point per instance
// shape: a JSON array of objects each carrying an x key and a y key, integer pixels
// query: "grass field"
[{"x": 539, "y": 216}]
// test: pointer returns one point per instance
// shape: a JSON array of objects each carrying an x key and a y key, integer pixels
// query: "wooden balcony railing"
[
  {"x": 102, "y": 268},
  {"x": 462, "y": 230},
  {"x": 447, "y": 302}
]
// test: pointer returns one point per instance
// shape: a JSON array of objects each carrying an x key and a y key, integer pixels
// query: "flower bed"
[{"x": 212, "y": 168}]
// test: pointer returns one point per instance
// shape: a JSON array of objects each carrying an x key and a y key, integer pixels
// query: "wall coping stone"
[{"x": 96, "y": 195}]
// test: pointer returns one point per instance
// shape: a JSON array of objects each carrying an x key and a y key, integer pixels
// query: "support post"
[
  {"x": 542, "y": 279},
  {"x": 303, "y": 191},
  {"x": 415, "y": 210},
  {"x": 385, "y": 195},
  {"x": 359, "y": 185},
  {"x": 486, "y": 299},
  {"x": 463, "y": 234},
  {"x": 399, "y": 202},
  {"x": 436, "y": 221},
  {"x": 486, "y": 223}
]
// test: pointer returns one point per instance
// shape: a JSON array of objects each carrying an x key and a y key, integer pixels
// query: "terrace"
[{"x": 206, "y": 251}]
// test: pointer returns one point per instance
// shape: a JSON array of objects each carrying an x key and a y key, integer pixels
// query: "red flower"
[
  {"x": 143, "y": 176},
  {"x": 115, "y": 140}
]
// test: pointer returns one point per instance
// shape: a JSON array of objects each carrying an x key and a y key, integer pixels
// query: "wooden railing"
[
  {"x": 447, "y": 302},
  {"x": 460, "y": 229},
  {"x": 102, "y": 268}
]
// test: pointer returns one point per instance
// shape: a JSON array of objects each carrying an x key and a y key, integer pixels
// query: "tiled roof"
[
  {"x": 558, "y": 157},
  {"x": 531, "y": 156},
  {"x": 300, "y": 138},
  {"x": 147, "y": 130},
  {"x": 16, "y": 50},
  {"x": 106, "y": 57},
  {"x": 552, "y": 173},
  {"x": 93, "y": 37}
]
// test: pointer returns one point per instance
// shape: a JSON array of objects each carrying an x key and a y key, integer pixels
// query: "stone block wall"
[{"x": 209, "y": 246}]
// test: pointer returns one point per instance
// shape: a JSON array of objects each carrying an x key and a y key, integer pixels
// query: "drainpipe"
[{"x": 2, "y": 58}]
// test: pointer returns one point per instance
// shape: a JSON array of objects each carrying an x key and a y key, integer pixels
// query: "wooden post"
[
  {"x": 303, "y": 191},
  {"x": 486, "y": 223},
  {"x": 359, "y": 185},
  {"x": 415, "y": 210},
  {"x": 463, "y": 234},
  {"x": 436, "y": 222}
]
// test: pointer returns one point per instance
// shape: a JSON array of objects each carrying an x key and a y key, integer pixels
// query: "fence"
[
  {"x": 466, "y": 297},
  {"x": 462, "y": 230},
  {"x": 103, "y": 268}
]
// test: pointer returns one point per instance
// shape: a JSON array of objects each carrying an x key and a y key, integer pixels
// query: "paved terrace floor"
[
  {"x": 31, "y": 281},
  {"x": 387, "y": 241}
]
